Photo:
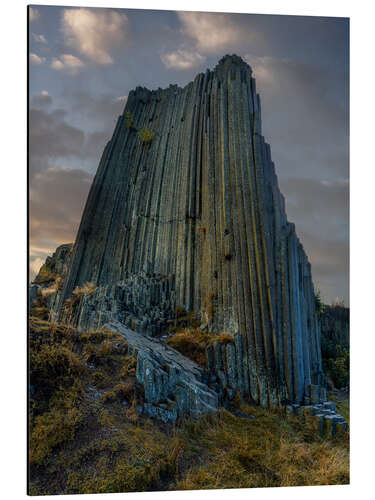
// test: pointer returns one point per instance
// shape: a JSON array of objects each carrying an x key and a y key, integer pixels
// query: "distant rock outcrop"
[
  {"x": 55, "y": 266},
  {"x": 50, "y": 276},
  {"x": 185, "y": 211}
]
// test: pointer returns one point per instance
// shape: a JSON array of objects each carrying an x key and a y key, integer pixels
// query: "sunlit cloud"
[
  {"x": 263, "y": 68},
  {"x": 67, "y": 62},
  {"x": 182, "y": 59},
  {"x": 33, "y": 14},
  {"x": 94, "y": 32},
  {"x": 211, "y": 32},
  {"x": 35, "y": 59}
]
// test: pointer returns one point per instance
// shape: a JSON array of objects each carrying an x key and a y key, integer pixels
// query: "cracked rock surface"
[{"x": 173, "y": 384}]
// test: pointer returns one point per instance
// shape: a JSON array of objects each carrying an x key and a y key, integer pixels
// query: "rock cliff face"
[{"x": 185, "y": 211}]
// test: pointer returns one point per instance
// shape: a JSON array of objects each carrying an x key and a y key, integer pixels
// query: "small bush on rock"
[{"x": 145, "y": 135}]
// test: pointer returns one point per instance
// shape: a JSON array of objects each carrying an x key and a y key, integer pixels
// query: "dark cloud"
[
  {"x": 57, "y": 197},
  {"x": 57, "y": 192},
  {"x": 305, "y": 120},
  {"x": 52, "y": 137},
  {"x": 313, "y": 201},
  {"x": 102, "y": 109},
  {"x": 320, "y": 211},
  {"x": 330, "y": 265}
]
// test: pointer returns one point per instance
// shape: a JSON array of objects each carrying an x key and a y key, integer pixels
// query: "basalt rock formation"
[
  {"x": 185, "y": 211},
  {"x": 50, "y": 274},
  {"x": 54, "y": 266}
]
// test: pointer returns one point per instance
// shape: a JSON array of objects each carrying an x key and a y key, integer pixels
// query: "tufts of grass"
[
  {"x": 45, "y": 275},
  {"x": 192, "y": 342},
  {"x": 104, "y": 354},
  {"x": 53, "y": 428},
  {"x": 342, "y": 403},
  {"x": 264, "y": 452},
  {"x": 91, "y": 337},
  {"x": 39, "y": 308},
  {"x": 50, "y": 290},
  {"x": 122, "y": 391},
  {"x": 86, "y": 288},
  {"x": 134, "y": 460},
  {"x": 129, "y": 366},
  {"x": 53, "y": 366}
]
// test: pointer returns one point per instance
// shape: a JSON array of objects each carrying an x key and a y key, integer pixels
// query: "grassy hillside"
[{"x": 86, "y": 436}]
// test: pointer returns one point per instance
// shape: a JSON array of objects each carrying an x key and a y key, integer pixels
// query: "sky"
[{"x": 83, "y": 62}]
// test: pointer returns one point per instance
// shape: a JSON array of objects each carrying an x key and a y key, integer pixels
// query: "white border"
[{"x": 13, "y": 246}]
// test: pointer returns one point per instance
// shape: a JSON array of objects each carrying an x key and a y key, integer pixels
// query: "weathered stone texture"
[
  {"x": 142, "y": 302},
  {"x": 325, "y": 419},
  {"x": 201, "y": 206},
  {"x": 174, "y": 385},
  {"x": 34, "y": 291}
]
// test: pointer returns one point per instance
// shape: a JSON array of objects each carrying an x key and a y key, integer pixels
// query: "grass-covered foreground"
[{"x": 86, "y": 437}]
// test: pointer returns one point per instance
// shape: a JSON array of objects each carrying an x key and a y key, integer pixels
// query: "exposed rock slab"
[{"x": 173, "y": 384}]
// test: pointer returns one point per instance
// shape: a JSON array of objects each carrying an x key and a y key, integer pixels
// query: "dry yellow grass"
[
  {"x": 320, "y": 463},
  {"x": 86, "y": 288},
  {"x": 266, "y": 451},
  {"x": 84, "y": 439},
  {"x": 192, "y": 342}
]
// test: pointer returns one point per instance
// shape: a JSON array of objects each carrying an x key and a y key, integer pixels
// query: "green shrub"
[
  {"x": 192, "y": 342},
  {"x": 145, "y": 135},
  {"x": 319, "y": 306},
  {"x": 337, "y": 367}
]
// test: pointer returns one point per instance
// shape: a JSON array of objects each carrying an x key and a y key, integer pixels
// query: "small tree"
[{"x": 319, "y": 306}]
